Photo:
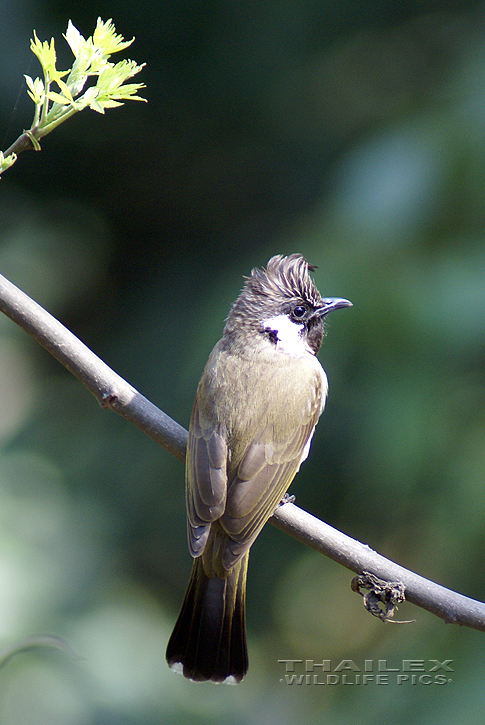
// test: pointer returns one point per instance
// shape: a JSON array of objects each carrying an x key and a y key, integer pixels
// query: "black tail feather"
[{"x": 209, "y": 638}]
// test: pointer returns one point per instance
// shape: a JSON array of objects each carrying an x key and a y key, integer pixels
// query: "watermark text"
[{"x": 367, "y": 672}]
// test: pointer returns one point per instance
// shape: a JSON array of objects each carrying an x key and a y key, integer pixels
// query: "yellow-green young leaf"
[
  {"x": 127, "y": 92},
  {"x": 45, "y": 53},
  {"x": 113, "y": 76},
  {"x": 96, "y": 106},
  {"x": 107, "y": 40},
  {"x": 90, "y": 95},
  {"x": 65, "y": 89},
  {"x": 36, "y": 89},
  {"x": 57, "y": 98},
  {"x": 109, "y": 103},
  {"x": 53, "y": 107},
  {"x": 7, "y": 161},
  {"x": 74, "y": 38}
]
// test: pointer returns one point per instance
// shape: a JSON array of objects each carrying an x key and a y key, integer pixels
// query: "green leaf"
[
  {"x": 91, "y": 55},
  {"x": 106, "y": 39},
  {"x": 7, "y": 161},
  {"x": 35, "y": 89},
  {"x": 57, "y": 98},
  {"x": 45, "y": 53}
]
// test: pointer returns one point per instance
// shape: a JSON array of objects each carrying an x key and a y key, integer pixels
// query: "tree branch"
[
  {"x": 113, "y": 392},
  {"x": 452, "y": 607},
  {"x": 107, "y": 386}
]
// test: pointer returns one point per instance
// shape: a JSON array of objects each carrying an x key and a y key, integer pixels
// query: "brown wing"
[
  {"x": 263, "y": 477},
  {"x": 206, "y": 480}
]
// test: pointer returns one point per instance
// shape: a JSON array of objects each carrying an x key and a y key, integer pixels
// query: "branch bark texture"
[
  {"x": 23, "y": 143},
  {"x": 113, "y": 392}
]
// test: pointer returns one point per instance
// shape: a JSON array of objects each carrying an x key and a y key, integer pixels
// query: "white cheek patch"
[{"x": 288, "y": 334}]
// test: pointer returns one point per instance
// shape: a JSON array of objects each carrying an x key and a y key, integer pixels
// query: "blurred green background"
[{"x": 352, "y": 132}]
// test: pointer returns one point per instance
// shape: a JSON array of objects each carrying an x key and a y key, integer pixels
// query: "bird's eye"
[{"x": 299, "y": 311}]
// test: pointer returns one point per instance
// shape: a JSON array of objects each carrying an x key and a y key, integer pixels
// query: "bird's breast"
[{"x": 242, "y": 394}]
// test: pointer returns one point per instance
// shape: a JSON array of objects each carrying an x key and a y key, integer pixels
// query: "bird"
[{"x": 256, "y": 407}]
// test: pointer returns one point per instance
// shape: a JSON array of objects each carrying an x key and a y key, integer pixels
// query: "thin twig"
[
  {"x": 23, "y": 143},
  {"x": 113, "y": 392}
]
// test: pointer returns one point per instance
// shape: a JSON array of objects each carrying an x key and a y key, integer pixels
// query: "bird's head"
[{"x": 282, "y": 305}]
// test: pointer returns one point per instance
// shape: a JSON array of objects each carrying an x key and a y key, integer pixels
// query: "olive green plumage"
[{"x": 256, "y": 407}]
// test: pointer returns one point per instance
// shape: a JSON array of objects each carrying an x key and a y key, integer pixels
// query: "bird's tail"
[{"x": 209, "y": 638}]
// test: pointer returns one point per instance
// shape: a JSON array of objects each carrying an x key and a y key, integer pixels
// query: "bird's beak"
[{"x": 332, "y": 303}]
